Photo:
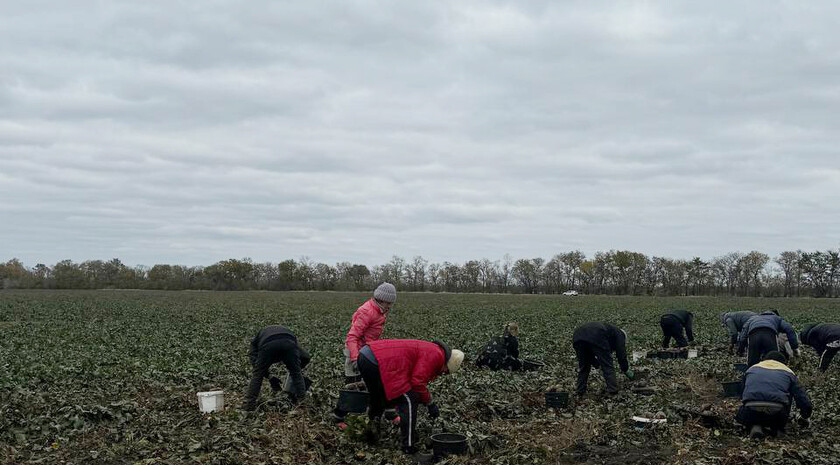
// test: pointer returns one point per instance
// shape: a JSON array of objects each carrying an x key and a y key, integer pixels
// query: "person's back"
[
  {"x": 825, "y": 339},
  {"x": 594, "y": 343},
  {"x": 760, "y": 333},
  {"x": 734, "y": 322},
  {"x": 502, "y": 352},
  {"x": 769, "y": 387}
]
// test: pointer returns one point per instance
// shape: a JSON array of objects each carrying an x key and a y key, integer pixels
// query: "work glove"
[
  {"x": 355, "y": 364},
  {"x": 630, "y": 374},
  {"x": 434, "y": 410},
  {"x": 803, "y": 422},
  {"x": 797, "y": 353}
]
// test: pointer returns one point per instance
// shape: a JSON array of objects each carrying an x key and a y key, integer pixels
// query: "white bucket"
[
  {"x": 639, "y": 354},
  {"x": 692, "y": 353},
  {"x": 211, "y": 401}
]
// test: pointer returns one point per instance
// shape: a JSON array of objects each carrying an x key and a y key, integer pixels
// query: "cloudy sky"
[{"x": 189, "y": 132}]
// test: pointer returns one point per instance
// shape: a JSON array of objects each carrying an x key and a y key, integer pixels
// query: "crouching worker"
[
  {"x": 673, "y": 323},
  {"x": 276, "y": 344},
  {"x": 825, "y": 339},
  {"x": 396, "y": 372},
  {"x": 734, "y": 322},
  {"x": 594, "y": 344},
  {"x": 502, "y": 353},
  {"x": 768, "y": 389},
  {"x": 760, "y": 334}
]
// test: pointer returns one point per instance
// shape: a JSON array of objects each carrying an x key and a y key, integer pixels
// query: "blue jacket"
[
  {"x": 772, "y": 381},
  {"x": 771, "y": 321}
]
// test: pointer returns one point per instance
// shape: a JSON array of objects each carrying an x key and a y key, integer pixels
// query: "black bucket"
[
  {"x": 532, "y": 365},
  {"x": 740, "y": 367},
  {"x": 352, "y": 401},
  {"x": 556, "y": 399},
  {"x": 444, "y": 444},
  {"x": 732, "y": 389}
]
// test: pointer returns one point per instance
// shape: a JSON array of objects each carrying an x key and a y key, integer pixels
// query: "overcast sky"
[{"x": 187, "y": 132}]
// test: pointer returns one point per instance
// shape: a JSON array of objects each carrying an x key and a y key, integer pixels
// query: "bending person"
[
  {"x": 276, "y": 344},
  {"x": 594, "y": 344},
  {"x": 673, "y": 323},
  {"x": 734, "y": 323},
  {"x": 825, "y": 339},
  {"x": 397, "y": 373},
  {"x": 760, "y": 334}
]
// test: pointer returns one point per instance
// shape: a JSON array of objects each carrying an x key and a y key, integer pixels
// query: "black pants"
[
  {"x": 760, "y": 341},
  {"x": 405, "y": 404},
  {"x": 828, "y": 354},
  {"x": 672, "y": 327},
  {"x": 282, "y": 350},
  {"x": 775, "y": 419},
  {"x": 589, "y": 355}
]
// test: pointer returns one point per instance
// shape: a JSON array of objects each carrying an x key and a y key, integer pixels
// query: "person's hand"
[
  {"x": 355, "y": 365},
  {"x": 434, "y": 410},
  {"x": 797, "y": 353},
  {"x": 804, "y": 422},
  {"x": 731, "y": 350},
  {"x": 630, "y": 374}
]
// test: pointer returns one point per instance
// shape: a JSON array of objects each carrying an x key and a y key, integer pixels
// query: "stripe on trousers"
[
  {"x": 408, "y": 399},
  {"x": 822, "y": 357}
]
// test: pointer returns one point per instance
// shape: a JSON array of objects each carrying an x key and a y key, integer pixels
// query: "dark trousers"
[
  {"x": 281, "y": 350},
  {"x": 672, "y": 327},
  {"x": 760, "y": 341},
  {"x": 773, "y": 418},
  {"x": 405, "y": 404},
  {"x": 589, "y": 355},
  {"x": 828, "y": 354}
]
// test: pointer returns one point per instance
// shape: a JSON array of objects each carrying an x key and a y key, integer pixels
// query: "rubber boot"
[{"x": 757, "y": 432}]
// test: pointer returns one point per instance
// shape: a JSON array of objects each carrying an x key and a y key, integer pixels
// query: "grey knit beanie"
[{"x": 386, "y": 292}]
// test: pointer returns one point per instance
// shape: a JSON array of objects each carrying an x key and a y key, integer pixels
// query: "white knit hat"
[
  {"x": 454, "y": 362},
  {"x": 386, "y": 292}
]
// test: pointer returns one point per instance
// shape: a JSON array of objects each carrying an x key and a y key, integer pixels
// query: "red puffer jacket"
[
  {"x": 366, "y": 327},
  {"x": 408, "y": 365}
]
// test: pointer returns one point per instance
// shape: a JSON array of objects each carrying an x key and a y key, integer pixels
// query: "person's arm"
[
  {"x": 424, "y": 370},
  {"x": 354, "y": 336},
  {"x": 252, "y": 353},
  {"x": 689, "y": 328},
  {"x": 621, "y": 353},
  {"x": 791, "y": 334},
  {"x": 513, "y": 347},
  {"x": 733, "y": 331},
  {"x": 801, "y": 398},
  {"x": 742, "y": 339}
]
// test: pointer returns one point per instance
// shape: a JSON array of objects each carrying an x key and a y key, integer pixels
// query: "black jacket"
[
  {"x": 687, "y": 320},
  {"x": 293, "y": 360},
  {"x": 499, "y": 348},
  {"x": 819, "y": 336},
  {"x": 605, "y": 336}
]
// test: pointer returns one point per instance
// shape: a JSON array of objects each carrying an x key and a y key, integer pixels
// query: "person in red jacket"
[
  {"x": 397, "y": 373},
  {"x": 367, "y": 325}
]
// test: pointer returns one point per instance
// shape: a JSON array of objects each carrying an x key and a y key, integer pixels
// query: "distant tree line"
[{"x": 791, "y": 274}]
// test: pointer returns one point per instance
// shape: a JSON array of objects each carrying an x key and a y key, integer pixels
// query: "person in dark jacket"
[
  {"x": 673, "y": 323},
  {"x": 760, "y": 334},
  {"x": 594, "y": 344},
  {"x": 825, "y": 339},
  {"x": 276, "y": 344},
  {"x": 769, "y": 387},
  {"x": 502, "y": 353},
  {"x": 734, "y": 322},
  {"x": 397, "y": 373}
]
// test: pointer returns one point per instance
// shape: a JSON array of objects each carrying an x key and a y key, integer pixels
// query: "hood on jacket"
[
  {"x": 447, "y": 352},
  {"x": 803, "y": 336},
  {"x": 771, "y": 312}
]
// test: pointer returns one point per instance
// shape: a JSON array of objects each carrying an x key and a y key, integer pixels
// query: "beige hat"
[
  {"x": 454, "y": 362},
  {"x": 512, "y": 328}
]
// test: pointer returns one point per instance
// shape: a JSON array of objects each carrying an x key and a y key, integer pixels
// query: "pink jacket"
[{"x": 367, "y": 325}]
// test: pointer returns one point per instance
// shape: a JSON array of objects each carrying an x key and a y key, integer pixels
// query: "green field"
[{"x": 111, "y": 377}]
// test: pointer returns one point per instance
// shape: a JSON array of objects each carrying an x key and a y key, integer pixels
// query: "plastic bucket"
[
  {"x": 639, "y": 354},
  {"x": 692, "y": 353},
  {"x": 732, "y": 389},
  {"x": 287, "y": 384},
  {"x": 211, "y": 401},
  {"x": 444, "y": 444},
  {"x": 532, "y": 365},
  {"x": 353, "y": 401},
  {"x": 556, "y": 399}
]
